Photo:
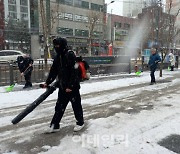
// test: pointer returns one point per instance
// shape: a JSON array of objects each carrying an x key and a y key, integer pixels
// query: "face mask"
[{"x": 59, "y": 51}]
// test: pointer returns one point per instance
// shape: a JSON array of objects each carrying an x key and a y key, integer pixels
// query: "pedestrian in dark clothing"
[
  {"x": 64, "y": 68},
  {"x": 25, "y": 67},
  {"x": 153, "y": 62}
]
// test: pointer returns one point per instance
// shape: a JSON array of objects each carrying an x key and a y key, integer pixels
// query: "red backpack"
[{"x": 83, "y": 68}]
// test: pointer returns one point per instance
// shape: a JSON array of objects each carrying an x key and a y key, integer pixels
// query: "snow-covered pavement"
[{"x": 123, "y": 115}]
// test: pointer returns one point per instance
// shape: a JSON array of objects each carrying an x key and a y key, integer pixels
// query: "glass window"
[
  {"x": 96, "y": 7},
  {"x": 24, "y": 16},
  {"x": 96, "y": 34},
  {"x": 13, "y": 53},
  {"x": 85, "y": 4},
  {"x": 16, "y": 53},
  {"x": 9, "y": 53},
  {"x": 13, "y": 15},
  {"x": 24, "y": 9},
  {"x": 24, "y": 2},
  {"x": 12, "y": 8},
  {"x": 79, "y": 32},
  {"x": 65, "y": 31},
  {"x": 78, "y": 3},
  {"x": 127, "y": 26},
  {"x": 67, "y": 2},
  {"x": 61, "y": 1},
  {"x": 2, "y": 54},
  {"x": 117, "y": 25},
  {"x": 12, "y": 1}
]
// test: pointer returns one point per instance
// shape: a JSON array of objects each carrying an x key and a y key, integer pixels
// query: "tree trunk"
[
  {"x": 90, "y": 47},
  {"x": 45, "y": 58},
  {"x": 45, "y": 34}
]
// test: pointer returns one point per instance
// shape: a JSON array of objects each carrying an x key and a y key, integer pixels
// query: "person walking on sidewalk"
[
  {"x": 171, "y": 60},
  {"x": 64, "y": 68},
  {"x": 25, "y": 64},
  {"x": 153, "y": 62}
]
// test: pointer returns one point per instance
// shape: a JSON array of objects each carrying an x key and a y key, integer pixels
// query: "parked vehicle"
[{"x": 10, "y": 55}]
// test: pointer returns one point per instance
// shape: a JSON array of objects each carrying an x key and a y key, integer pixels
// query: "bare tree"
[
  {"x": 93, "y": 19},
  {"x": 47, "y": 26},
  {"x": 45, "y": 31},
  {"x": 17, "y": 32},
  {"x": 167, "y": 32}
]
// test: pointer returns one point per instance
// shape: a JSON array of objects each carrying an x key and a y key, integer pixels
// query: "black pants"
[
  {"x": 172, "y": 67},
  {"x": 63, "y": 99},
  {"x": 27, "y": 77},
  {"x": 153, "y": 80}
]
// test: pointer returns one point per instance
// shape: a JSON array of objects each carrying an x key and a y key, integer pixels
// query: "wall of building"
[
  {"x": 118, "y": 31},
  {"x": 17, "y": 11},
  {"x": 71, "y": 18},
  {"x": 131, "y": 8}
]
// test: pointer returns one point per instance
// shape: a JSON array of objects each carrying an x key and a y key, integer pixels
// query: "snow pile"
[{"x": 125, "y": 133}]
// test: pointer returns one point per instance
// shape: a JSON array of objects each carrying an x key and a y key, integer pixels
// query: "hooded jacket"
[
  {"x": 24, "y": 62},
  {"x": 63, "y": 67}
]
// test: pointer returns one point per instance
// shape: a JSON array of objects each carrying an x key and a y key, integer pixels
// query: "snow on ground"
[
  {"x": 121, "y": 133},
  {"x": 125, "y": 133},
  {"x": 25, "y": 97}
]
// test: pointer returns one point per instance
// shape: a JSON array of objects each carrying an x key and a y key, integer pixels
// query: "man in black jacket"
[
  {"x": 25, "y": 67},
  {"x": 64, "y": 68}
]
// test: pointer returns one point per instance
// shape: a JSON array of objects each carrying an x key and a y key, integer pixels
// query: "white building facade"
[
  {"x": 17, "y": 10},
  {"x": 131, "y": 8}
]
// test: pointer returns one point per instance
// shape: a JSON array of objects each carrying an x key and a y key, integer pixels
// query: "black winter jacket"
[
  {"x": 64, "y": 67},
  {"x": 24, "y": 64}
]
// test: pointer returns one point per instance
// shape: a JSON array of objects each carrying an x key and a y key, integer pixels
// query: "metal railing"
[{"x": 10, "y": 74}]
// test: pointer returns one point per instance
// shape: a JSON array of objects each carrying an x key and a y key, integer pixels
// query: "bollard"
[
  {"x": 11, "y": 73},
  {"x": 129, "y": 65},
  {"x": 177, "y": 61},
  {"x": 142, "y": 63}
]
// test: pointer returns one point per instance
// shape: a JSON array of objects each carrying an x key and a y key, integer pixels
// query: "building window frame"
[
  {"x": 12, "y": 2},
  {"x": 13, "y": 15},
  {"x": 65, "y": 2},
  {"x": 81, "y": 33},
  {"x": 24, "y": 2}
]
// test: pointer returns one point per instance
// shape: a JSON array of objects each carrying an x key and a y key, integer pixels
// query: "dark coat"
[
  {"x": 64, "y": 67},
  {"x": 24, "y": 62},
  {"x": 153, "y": 61}
]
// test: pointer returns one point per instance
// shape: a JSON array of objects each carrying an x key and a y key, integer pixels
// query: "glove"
[{"x": 44, "y": 85}]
